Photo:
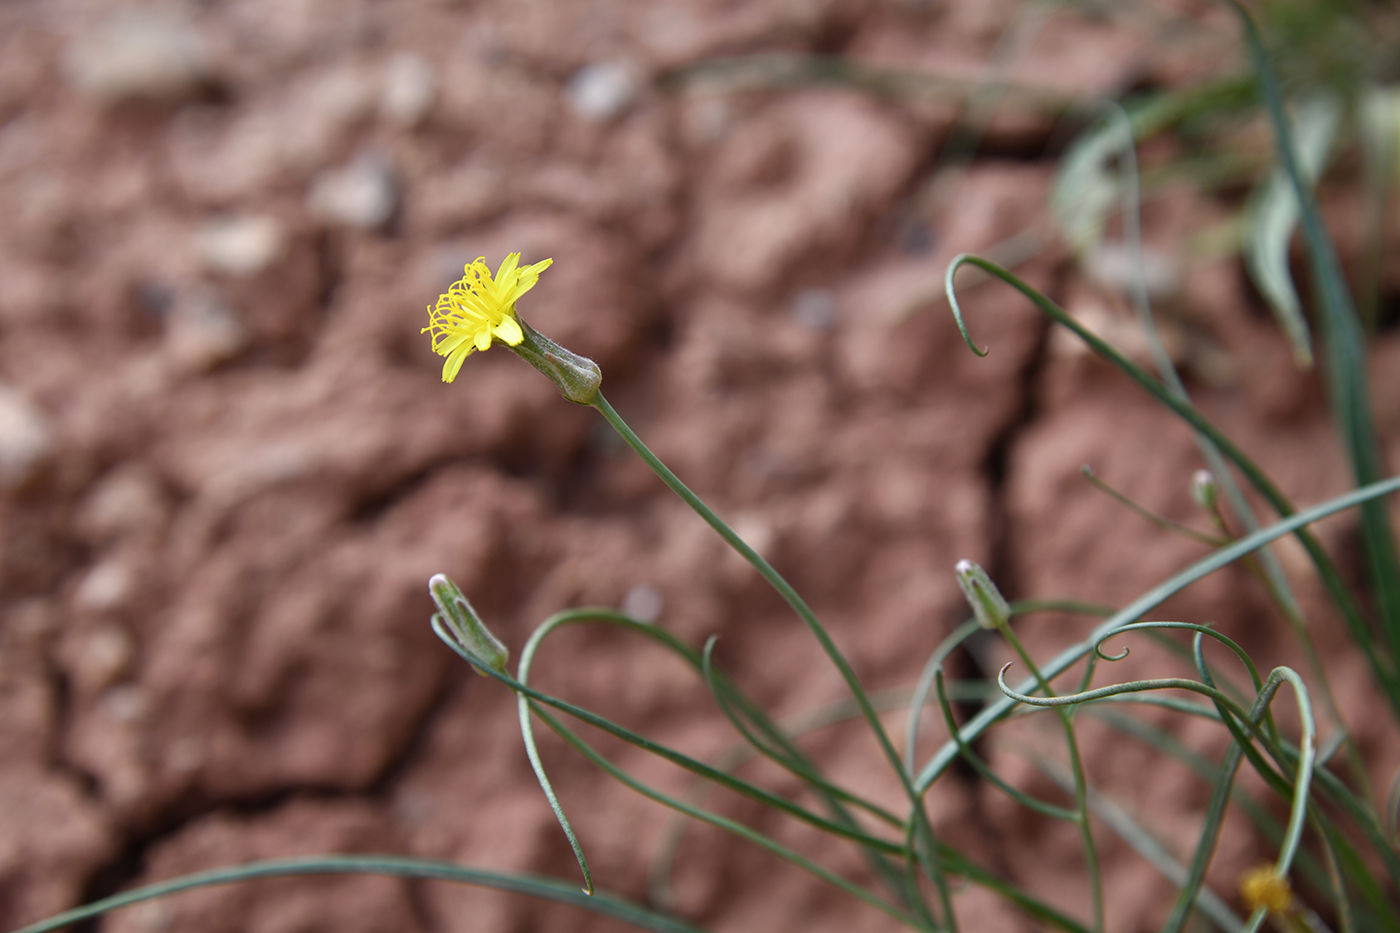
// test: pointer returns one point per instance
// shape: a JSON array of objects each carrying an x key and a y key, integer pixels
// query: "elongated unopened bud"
[
  {"x": 988, "y": 605},
  {"x": 1205, "y": 491},
  {"x": 577, "y": 377},
  {"x": 472, "y": 634}
]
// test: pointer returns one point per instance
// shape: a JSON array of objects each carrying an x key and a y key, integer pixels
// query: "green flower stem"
[
  {"x": 1081, "y": 781},
  {"x": 692, "y": 765},
  {"x": 1343, "y": 347},
  {"x": 982, "y": 768},
  {"x": 765, "y": 569},
  {"x": 935, "y": 661},
  {"x": 609, "y": 905},
  {"x": 1382, "y": 665},
  {"x": 785, "y": 755},
  {"x": 790, "y": 596},
  {"x": 1142, "y": 605},
  {"x": 713, "y": 819}
]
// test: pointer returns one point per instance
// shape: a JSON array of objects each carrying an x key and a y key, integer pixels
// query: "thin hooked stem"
[
  {"x": 1081, "y": 781},
  {"x": 798, "y": 605}
]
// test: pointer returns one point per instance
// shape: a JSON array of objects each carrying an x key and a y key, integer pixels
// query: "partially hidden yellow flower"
[
  {"x": 478, "y": 308},
  {"x": 1264, "y": 887}
]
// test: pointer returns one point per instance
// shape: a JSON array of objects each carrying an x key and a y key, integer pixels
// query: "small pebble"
[
  {"x": 138, "y": 55},
  {"x": 602, "y": 91},
  {"x": 643, "y": 602},
  {"x": 125, "y": 703},
  {"x": 241, "y": 245},
  {"x": 26, "y": 440},
  {"x": 409, "y": 87},
  {"x": 815, "y": 308},
  {"x": 363, "y": 194},
  {"x": 105, "y": 587}
]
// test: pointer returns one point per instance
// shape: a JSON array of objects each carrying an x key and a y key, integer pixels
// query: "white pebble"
[
  {"x": 815, "y": 308},
  {"x": 105, "y": 587},
  {"x": 643, "y": 602},
  {"x": 26, "y": 440},
  {"x": 409, "y": 87},
  {"x": 363, "y": 194},
  {"x": 137, "y": 55},
  {"x": 600, "y": 92},
  {"x": 242, "y": 244}
]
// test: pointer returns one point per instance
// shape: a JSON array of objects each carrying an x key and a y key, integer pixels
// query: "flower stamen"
[{"x": 479, "y": 308}]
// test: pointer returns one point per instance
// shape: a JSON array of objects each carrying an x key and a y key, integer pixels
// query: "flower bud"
[
  {"x": 1204, "y": 489},
  {"x": 988, "y": 605},
  {"x": 577, "y": 377},
  {"x": 472, "y": 634}
]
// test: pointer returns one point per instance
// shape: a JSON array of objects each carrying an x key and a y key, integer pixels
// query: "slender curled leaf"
[
  {"x": 1382, "y": 665},
  {"x": 532, "y": 752},
  {"x": 602, "y": 903},
  {"x": 1307, "y": 743},
  {"x": 1206, "y": 493},
  {"x": 738, "y": 829},
  {"x": 981, "y": 767},
  {"x": 1273, "y": 216},
  {"x": 699, "y": 768},
  {"x": 774, "y": 746},
  {"x": 924, "y": 687},
  {"x": 527, "y": 732},
  {"x": 541, "y": 700},
  {"x": 1345, "y": 352},
  {"x": 790, "y": 596},
  {"x": 998, "y": 709},
  {"x": 1200, "y": 630},
  {"x": 1143, "y": 842}
]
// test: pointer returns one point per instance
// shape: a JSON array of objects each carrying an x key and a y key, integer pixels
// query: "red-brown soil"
[{"x": 229, "y": 465}]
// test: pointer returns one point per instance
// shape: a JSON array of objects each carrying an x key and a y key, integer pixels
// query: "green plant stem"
[
  {"x": 998, "y": 709},
  {"x": 1382, "y": 664},
  {"x": 713, "y": 819},
  {"x": 1081, "y": 783},
  {"x": 609, "y": 905},
  {"x": 1343, "y": 345},
  {"x": 765, "y": 569},
  {"x": 792, "y": 598},
  {"x": 699, "y": 768}
]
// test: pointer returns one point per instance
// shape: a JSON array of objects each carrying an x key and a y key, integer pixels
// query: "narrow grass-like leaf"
[
  {"x": 1145, "y": 844},
  {"x": 1274, "y": 579},
  {"x": 786, "y": 756},
  {"x": 1273, "y": 216},
  {"x": 550, "y": 889},
  {"x": 1139, "y": 607},
  {"x": 1345, "y": 352},
  {"x": 738, "y": 829},
  {"x": 1382, "y": 664},
  {"x": 982, "y": 768}
]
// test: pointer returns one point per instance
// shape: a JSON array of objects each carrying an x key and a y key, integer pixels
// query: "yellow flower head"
[
  {"x": 1264, "y": 887},
  {"x": 478, "y": 308}
]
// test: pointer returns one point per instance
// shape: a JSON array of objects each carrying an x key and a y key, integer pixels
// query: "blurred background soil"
[{"x": 229, "y": 465}]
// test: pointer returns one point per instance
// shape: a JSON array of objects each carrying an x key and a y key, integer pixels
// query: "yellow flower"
[
  {"x": 478, "y": 308},
  {"x": 1264, "y": 887}
]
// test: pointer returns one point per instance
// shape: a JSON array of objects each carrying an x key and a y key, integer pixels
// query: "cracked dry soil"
[{"x": 229, "y": 465}]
